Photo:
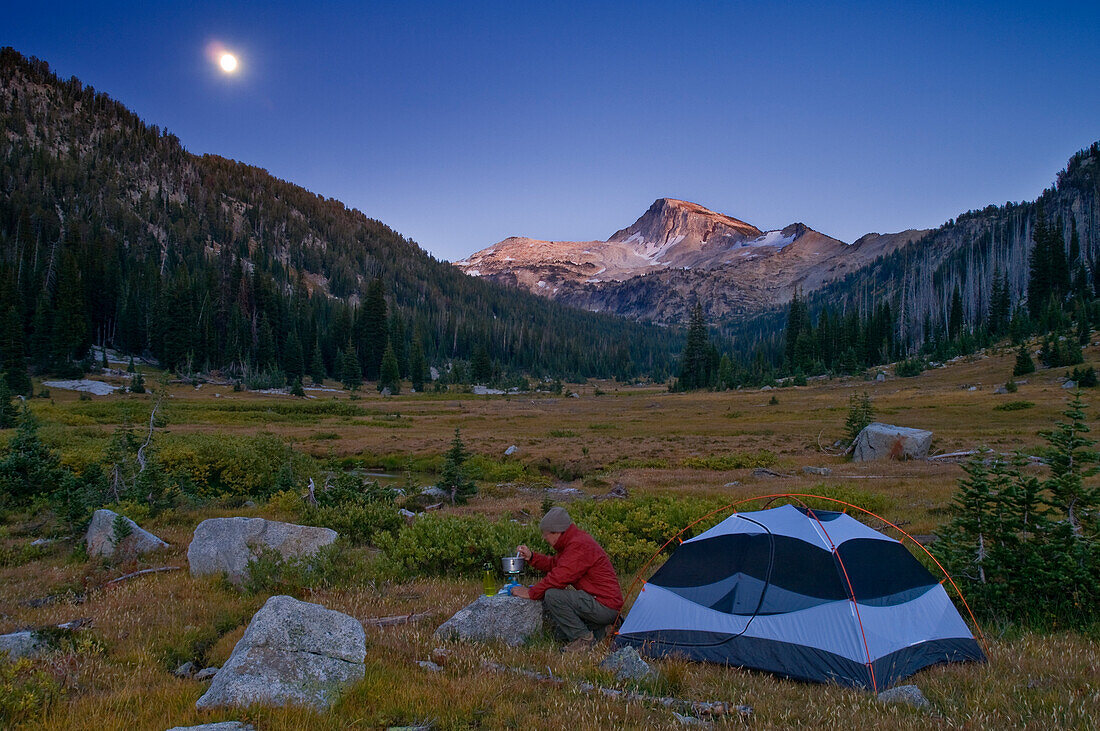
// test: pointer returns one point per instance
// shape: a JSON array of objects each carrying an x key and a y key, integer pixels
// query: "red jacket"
[{"x": 578, "y": 561}]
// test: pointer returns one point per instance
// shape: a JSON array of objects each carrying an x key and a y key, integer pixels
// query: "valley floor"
[{"x": 648, "y": 441}]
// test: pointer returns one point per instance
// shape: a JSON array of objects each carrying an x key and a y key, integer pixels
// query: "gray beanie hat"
[{"x": 556, "y": 520}]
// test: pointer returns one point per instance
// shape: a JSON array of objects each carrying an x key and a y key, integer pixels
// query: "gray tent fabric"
[{"x": 807, "y": 594}]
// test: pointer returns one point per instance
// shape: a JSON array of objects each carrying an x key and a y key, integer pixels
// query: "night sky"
[{"x": 461, "y": 123}]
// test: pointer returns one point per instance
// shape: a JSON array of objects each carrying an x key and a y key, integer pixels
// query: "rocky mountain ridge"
[{"x": 677, "y": 251}]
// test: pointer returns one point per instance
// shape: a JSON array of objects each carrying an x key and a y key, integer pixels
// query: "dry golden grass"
[{"x": 634, "y": 436}]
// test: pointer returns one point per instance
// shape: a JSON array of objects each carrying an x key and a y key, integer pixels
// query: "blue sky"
[{"x": 461, "y": 123}]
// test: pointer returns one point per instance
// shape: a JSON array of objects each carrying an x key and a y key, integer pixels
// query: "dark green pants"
[{"x": 575, "y": 613}]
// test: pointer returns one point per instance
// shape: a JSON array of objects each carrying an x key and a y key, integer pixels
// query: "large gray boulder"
[
  {"x": 292, "y": 652},
  {"x": 508, "y": 619},
  {"x": 885, "y": 441},
  {"x": 21, "y": 644},
  {"x": 226, "y": 545},
  {"x": 101, "y": 538}
]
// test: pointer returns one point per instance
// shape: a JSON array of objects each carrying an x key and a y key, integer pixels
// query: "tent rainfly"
[{"x": 807, "y": 594}]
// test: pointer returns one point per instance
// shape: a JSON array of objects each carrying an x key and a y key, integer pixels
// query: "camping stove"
[{"x": 513, "y": 567}]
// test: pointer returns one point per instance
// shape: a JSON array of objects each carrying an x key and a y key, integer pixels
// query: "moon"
[{"x": 228, "y": 62}]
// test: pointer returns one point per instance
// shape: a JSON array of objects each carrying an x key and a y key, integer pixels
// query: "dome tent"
[{"x": 807, "y": 594}]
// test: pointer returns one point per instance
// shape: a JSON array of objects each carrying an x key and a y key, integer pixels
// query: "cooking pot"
[{"x": 512, "y": 564}]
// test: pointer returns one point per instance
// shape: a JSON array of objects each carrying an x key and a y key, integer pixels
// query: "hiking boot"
[{"x": 580, "y": 644}]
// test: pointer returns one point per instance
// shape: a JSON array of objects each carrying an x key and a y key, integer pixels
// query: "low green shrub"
[
  {"x": 631, "y": 531},
  {"x": 909, "y": 368},
  {"x": 1014, "y": 406},
  {"x": 333, "y": 567},
  {"x": 439, "y": 545},
  {"x": 357, "y": 522},
  {"x": 759, "y": 458},
  {"x": 212, "y": 465},
  {"x": 26, "y": 693}
]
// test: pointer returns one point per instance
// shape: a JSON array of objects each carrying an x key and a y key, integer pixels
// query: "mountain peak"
[{"x": 675, "y": 227}]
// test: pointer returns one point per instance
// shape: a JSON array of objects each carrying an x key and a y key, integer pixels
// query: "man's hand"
[
  {"x": 524, "y": 552},
  {"x": 521, "y": 591}
]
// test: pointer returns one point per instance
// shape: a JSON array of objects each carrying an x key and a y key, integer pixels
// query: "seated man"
[{"x": 581, "y": 592}]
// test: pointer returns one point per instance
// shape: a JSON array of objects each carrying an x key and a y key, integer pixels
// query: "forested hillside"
[
  {"x": 1039, "y": 260},
  {"x": 111, "y": 233}
]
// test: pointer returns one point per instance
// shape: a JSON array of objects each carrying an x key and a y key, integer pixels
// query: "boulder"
[
  {"x": 220, "y": 726},
  {"x": 1069, "y": 385},
  {"x": 880, "y": 377},
  {"x": 883, "y": 441},
  {"x": 511, "y": 450},
  {"x": 627, "y": 664},
  {"x": 909, "y": 695},
  {"x": 292, "y": 652},
  {"x": 509, "y": 619},
  {"x": 100, "y": 537},
  {"x": 226, "y": 545},
  {"x": 21, "y": 644}
]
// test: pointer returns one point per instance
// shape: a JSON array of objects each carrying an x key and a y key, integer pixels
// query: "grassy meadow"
[{"x": 699, "y": 449}]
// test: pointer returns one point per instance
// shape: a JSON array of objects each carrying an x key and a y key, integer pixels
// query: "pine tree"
[
  {"x": 1072, "y": 461},
  {"x": 390, "y": 375},
  {"x": 861, "y": 412},
  {"x": 14, "y": 362},
  {"x": 1024, "y": 363},
  {"x": 452, "y": 476},
  {"x": 350, "y": 374},
  {"x": 9, "y": 413},
  {"x": 293, "y": 361},
  {"x": 693, "y": 363},
  {"x": 371, "y": 330},
  {"x": 955, "y": 316},
  {"x": 418, "y": 367},
  {"x": 317, "y": 364},
  {"x": 481, "y": 368}
]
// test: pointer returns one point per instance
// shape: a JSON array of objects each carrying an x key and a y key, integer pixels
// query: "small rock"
[
  {"x": 766, "y": 388},
  {"x": 43, "y": 542},
  {"x": 999, "y": 390},
  {"x": 100, "y": 537},
  {"x": 186, "y": 670},
  {"x": 511, "y": 450},
  {"x": 627, "y": 664},
  {"x": 386, "y": 391},
  {"x": 407, "y": 514},
  {"x": 766, "y": 473},
  {"x": 249, "y": 504},
  {"x": 1069, "y": 385},
  {"x": 435, "y": 492},
  {"x": 823, "y": 471},
  {"x": 1021, "y": 382},
  {"x": 21, "y": 644},
  {"x": 880, "y": 377},
  {"x": 690, "y": 720},
  {"x": 909, "y": 695},
  {"x": 220, "y": 726},
  {"x": 735, "y": 483},
  {"x": 429, "y": 666},
  {"x": 574, "y": 395},
  {"x": 972, "y": 388},
  {"x": 509, "y": 619},
  {"x": 206, "y": 673}
]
